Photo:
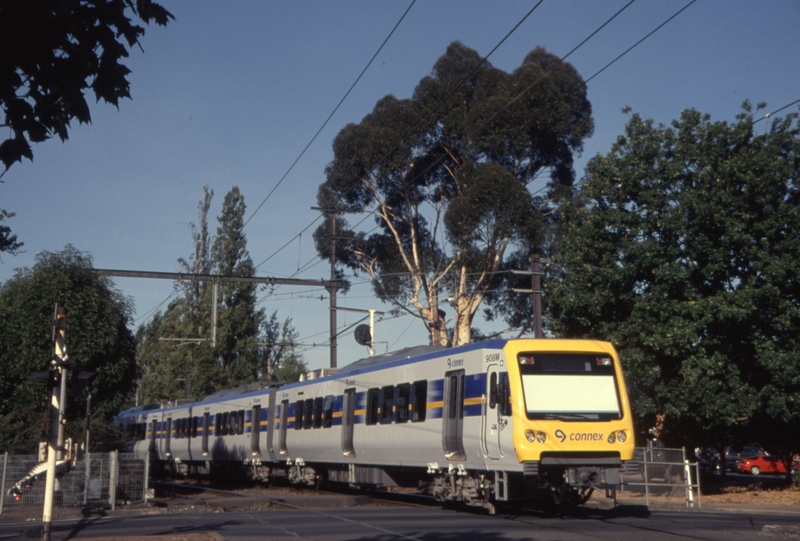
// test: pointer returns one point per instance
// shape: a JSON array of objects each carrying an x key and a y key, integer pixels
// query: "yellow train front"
[{"x": 571, "y": 418}]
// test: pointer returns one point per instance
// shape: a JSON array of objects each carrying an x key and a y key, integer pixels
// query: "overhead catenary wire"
[
  {"x": 768, "y": 115},
  {"x": 332, "y": 113}
]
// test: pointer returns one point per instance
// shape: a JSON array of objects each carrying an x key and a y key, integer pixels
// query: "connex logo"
[{"x": 560, "y": 435}]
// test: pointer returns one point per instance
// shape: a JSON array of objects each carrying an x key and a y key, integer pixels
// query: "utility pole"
[
  {"x": 536, "y": 291},
  {"x": 332, "y": 289},
  {"x": 60, "y": 365},
  {"x": 333, "y": 284}
]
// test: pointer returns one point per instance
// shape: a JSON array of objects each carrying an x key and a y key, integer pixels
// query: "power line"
[
  {"x": 332, "y": 113},
  {"x": 632, "y": 47},
  {"x": 776, "y": 111}
]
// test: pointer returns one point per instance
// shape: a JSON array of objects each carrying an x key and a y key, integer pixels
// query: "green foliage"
[
  {"x": 97, "y": 336},
  {"x": 682, "y": 247},
  {"x": 52, "y": 52},
  {"x": 447, "y": 171},
  {"x": 8, "y": 241},
  {"x": 176, "y": 343},
  {"x": 279, "y": 350},
  {"x": 238, "y": 319}
]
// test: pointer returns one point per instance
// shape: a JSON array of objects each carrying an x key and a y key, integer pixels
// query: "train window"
[
  {"x": 218, "y": 425},
  {"x": 372, "y": 406},
  {"x": 298, "y": 415},
  {"x": 401, "y": 406},
  {"x": 419, "y": 404},
  {"x": 225, "y": 424},
  {"x": 387, "y": 405},
  {"x": 195, "y": 425},
  {"x": 318, "y": 412},
  {"x": 240, "y": 422},
  {"x": 493, "y": 390},
  {"x": 327, "y": 412},
  {"x": 308, "y": 418},
  {"x": 185, "y": 427},
  {"x": 504, "y": 395},
  {"x": 255, "y": 421}
]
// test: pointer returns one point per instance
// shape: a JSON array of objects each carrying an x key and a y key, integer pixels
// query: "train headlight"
[
  {"x": 621, "y": 436},
  {"x": 541, "y": 437},
  {"x": 612, "y": 438},
  {"x": 530, "y": 435}
]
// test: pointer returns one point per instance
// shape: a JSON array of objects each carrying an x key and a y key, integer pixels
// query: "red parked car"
[{"x": 760, "y": 464}]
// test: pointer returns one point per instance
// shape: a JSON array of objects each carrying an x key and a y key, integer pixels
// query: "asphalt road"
[{"x": 424, "y": 524}]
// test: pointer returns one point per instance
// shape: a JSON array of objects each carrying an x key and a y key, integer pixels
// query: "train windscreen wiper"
[{"x": 572, "y": 416}]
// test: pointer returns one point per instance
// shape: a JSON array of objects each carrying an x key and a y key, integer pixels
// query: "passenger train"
[{"x": 496, "y": 421}]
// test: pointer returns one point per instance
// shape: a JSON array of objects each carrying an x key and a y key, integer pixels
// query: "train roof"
[
  {"x": 405, "y": 353},
  {"x": 139, "y": 409}
]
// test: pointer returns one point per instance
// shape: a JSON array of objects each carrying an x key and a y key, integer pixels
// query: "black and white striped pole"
[{"x": 59, "y": 367}]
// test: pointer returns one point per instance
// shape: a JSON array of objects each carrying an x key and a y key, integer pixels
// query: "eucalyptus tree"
[
  {"x": 682, "y": 247},
  {"x": 446, "y": 174}
]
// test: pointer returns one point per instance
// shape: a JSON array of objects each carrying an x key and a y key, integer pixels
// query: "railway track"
[{"x": 582, "y": 522}]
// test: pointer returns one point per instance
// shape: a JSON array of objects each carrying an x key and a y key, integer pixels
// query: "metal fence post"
[
  {"x": 146, "y": 480},
  {"x": 697, "y": 469},
  {"x": 113, "y": 475},
  {"x": 687, "y": 471},
  {"x": 88, "y": 476},
  {"x": 646, "y": 482},
  {"x": 3, "y": 485}
]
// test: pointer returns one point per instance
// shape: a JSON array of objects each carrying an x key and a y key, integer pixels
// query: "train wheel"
[
  {"x": 581, "y": 495},
  {"x": 560, "y": 494}
]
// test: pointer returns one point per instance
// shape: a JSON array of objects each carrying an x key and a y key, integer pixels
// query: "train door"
[
  {"x": 271, "y": 424},
  {"x": 152, "y": 446},
  {"x": 453, "y": 415},
  {"x": 491, "y": 422},
  {"x": 348, "y": 420},
  {"x": 284, "y": 421},
  {"x": 168, "y": 437},
  {"x": 190, "y": 434},
  {"x": 255, "y": 431},
  {"x": 206, "y": 431}
]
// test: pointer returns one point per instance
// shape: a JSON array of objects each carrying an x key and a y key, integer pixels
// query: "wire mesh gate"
[
  {"x": 663, "y": 473},
  {"x": 98, "y": 479}
]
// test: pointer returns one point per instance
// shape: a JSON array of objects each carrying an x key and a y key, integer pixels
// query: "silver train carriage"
[{"x": 494, "y": 421}]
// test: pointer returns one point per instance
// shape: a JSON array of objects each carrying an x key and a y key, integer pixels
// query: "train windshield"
[{"x": 570, "y": 387}]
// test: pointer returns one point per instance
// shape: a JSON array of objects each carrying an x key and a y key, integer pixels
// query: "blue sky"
[{"x": 231, "y": 92}]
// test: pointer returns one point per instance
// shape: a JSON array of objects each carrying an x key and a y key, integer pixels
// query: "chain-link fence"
[
  {"x": 98, "y": 479},
  {"x": 664, "y": 474}
]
